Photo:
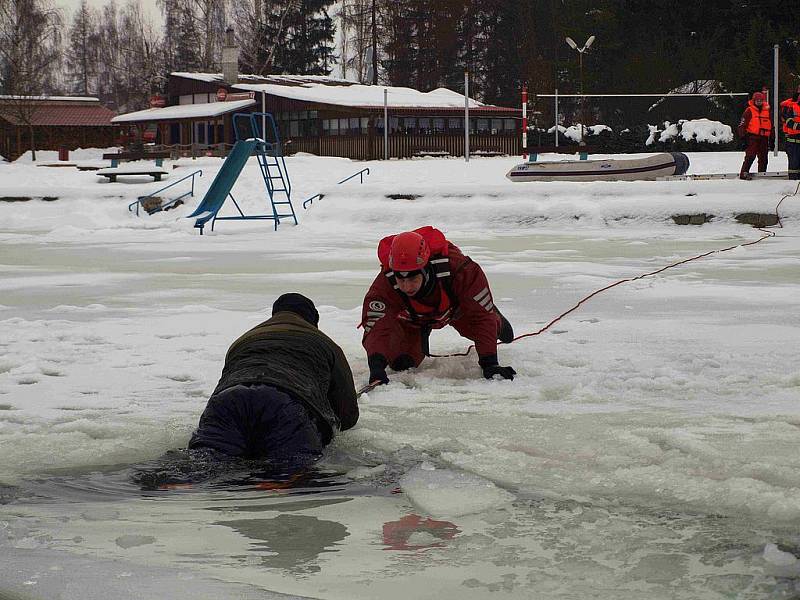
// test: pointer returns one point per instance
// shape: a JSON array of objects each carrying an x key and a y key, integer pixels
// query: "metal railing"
[
  {"x": 141, "y": 199},
  {"x": 321, "y": 196},
  {"x": 361, "y": 172}
]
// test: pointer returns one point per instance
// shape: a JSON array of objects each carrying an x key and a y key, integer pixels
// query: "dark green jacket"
[{"x": 292, "y": 355}]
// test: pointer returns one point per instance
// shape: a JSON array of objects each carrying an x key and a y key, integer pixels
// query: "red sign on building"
[
  {"x": 157, "y": 101},
  {"x": 222, "y": 94}
]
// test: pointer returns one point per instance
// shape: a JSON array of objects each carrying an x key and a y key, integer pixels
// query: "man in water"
[
  {"x": 426, "y": 283},
  {"x": 285, "y": 390}
]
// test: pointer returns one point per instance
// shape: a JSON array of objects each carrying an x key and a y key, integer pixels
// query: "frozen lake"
[{"x": 649, "y": 447}]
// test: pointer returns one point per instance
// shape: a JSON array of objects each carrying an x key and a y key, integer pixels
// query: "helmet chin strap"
[{"x": 428, "y": 282}]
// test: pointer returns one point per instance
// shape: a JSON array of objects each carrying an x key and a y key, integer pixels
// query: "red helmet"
[{"x": 409, "y": 252}]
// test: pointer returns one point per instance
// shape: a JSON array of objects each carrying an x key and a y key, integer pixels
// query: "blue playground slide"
[{"x": 221, "y": 186}]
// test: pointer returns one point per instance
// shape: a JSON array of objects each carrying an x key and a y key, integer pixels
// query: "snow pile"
[
  {"x": 699, "y": 130},
  {"x": 575, "y": 132},
  {"x": 448, "y": 493}
]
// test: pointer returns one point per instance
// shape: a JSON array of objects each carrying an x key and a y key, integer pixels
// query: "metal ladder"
[{"x": 271, "y": 161}]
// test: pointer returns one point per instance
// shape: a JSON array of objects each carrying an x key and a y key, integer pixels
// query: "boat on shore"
[{"x": 651, "y": 167}]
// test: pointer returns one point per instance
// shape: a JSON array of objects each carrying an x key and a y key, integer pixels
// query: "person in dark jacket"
[{"x": 285, "y": 390}]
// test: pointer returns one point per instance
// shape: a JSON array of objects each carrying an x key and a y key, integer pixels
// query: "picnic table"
[{"x": 117, "y": 157}]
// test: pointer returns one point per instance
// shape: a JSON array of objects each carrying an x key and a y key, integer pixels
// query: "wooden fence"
[{"x": 403, "y": 146}]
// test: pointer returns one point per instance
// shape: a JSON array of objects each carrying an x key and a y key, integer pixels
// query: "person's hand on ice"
[{"x": 491, "y": 368}]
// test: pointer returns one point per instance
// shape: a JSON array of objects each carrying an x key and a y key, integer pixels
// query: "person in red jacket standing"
[
  {"x": 426, "y": 283},
  {"x": 790, "y": 116},
  {"x": 756, "y": 127}
]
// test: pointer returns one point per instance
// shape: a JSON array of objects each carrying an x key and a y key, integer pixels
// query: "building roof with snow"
[
  {"x": 333, "y": 91},
  {"x": 184, "y": 111},
  {"x": 55, "y": 111}
]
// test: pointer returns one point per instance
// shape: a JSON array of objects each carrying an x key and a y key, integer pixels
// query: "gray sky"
[{"x": 69, "y": 6}]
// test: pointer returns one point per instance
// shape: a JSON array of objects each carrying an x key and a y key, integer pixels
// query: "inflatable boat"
[{"x": 611, "y": 169}]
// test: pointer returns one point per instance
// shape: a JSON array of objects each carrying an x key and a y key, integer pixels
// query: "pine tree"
[
  {"x": 187, "y": 40},
  {"x": 304, "y": 35},
  {"x": 82, "y": 53}
]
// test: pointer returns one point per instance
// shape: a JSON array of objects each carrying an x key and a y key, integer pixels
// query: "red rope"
[{"x": 767, "y": 234}]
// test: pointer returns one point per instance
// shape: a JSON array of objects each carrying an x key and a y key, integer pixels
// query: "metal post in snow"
[
  {"x": 525, "y": 122},
  {"x": 775, "y": 98},
  {"x": 556, "y": 134},
  {"x": 466, "y": 116},
  {"x": 264, "y": 117},
  {"x": 385, "y": 124}
]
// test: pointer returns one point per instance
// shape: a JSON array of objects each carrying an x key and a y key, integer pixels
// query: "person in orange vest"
[
  {"x": 790, "y": 115},
  {"x": 756, "y": 128},
  {"x": 427, "y": 283}
]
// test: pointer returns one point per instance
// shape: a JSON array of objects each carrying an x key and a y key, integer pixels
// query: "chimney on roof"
[{"x": 230, "y": 59}]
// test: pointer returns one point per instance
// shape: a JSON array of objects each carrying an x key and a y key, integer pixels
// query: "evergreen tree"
[
  {"x": 304, "y": 35},
  {"x": 187, "y": 40},
  {"x": 82, "y": 53}
]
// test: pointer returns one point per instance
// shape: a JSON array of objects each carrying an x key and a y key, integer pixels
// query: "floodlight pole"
[
  {"x": 571, "y": 43},
  {"x": 556, "y": 117}
]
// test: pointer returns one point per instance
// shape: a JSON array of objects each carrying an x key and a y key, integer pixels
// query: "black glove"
[
  {"x": 377, "y": 369},
  {"x": 491, "y": 368}
]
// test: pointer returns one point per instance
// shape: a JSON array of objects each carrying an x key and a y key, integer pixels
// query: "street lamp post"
[{"x": 571, "y": 43}]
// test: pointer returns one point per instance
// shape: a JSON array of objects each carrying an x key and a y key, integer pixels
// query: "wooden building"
[
  {"x": 326, "y": 116},
  {"x": 54, "y": 122}
]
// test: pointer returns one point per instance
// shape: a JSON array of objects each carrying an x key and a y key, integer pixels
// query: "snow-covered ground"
[{"x": 649, "y": 447}]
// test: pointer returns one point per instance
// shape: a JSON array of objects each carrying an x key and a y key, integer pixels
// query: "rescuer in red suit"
[{"x": 426, "y": 283}]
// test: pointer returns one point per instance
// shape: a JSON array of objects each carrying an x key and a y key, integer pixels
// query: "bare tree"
[
  {"x": 212, "y": 20},
  {"x": 260, "y": 27},
  {"x": 194, "y": 33},
  {"x": 30, "y": 46},
  {"x": 131, "y": 58},
  {"x": 356, "y": 25}
]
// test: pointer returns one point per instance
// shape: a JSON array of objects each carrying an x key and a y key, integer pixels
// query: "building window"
[
  {"x": 424, "y": 125},
  {"x": 438, "y": 125},
  {"x": 364, "y": 124},
  {"x": 509, "y": 124},
  {"x": 294, "y": 128},
  {"x": 455, "y": 124},
  {"x": 483, "y": 125}
]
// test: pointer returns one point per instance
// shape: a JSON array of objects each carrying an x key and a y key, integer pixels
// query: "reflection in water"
[
  {"x": 183, "y": 468},
  {"x": 413, "y": 533},
  {"x": 295, "y": 541}
]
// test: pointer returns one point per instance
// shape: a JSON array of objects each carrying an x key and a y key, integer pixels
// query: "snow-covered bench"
[{"x": 112, "y": 173}]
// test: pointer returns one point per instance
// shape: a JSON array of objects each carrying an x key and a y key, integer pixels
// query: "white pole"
[
  {"x": 264, "y": 117},
  {"x": 525, "y": 122},
  {"x": 556, "y": 134},
  {"x": 775, "y": 97},
  {"x": 385, "y": 124},
  {"x": 466, "y": 116}
]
